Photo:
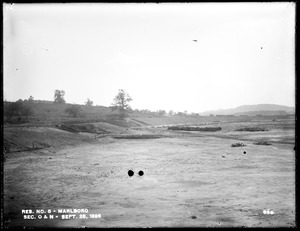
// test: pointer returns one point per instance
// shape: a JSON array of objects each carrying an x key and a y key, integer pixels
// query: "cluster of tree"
[
  {"x": 171, "y": 113},
  {"x": 59, "y": 98},
  {"x": 23, "y": 109},
  {"x": 161, "y": 112},
  {"x": 144, "y": 111},
  {"x": 164, "y": 113},
  {"x": 20, "y": 109},
  {"x": 157, "y": 112},
  {"x": 182, "y": 113}
]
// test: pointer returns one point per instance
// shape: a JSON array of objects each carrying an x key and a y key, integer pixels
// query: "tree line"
[{"x": 23, "y": 109}]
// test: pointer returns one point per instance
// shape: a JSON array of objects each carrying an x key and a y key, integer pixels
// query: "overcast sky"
[{"x": 243, "y": 53}]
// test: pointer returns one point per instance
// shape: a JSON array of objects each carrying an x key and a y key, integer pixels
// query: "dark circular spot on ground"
[
  {"x": 130, "y": 173},
  {"x": 193, "y": 217},
  {"x": 244, "y": 152},
  {"x": 141, "y": 173}
]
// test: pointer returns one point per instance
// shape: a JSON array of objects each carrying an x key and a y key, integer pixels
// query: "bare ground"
[{"x": 189, "y": 181}]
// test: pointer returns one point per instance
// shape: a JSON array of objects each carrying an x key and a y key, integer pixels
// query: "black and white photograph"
[{"x": 141, "y": 115}]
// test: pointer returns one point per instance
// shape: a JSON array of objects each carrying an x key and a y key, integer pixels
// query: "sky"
[{"x": 189, "y": 57}]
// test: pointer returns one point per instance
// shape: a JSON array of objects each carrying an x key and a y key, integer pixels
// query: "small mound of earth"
[
  {"x": 262, "y": 143},
  {"x": 238, "y": 144},
  {"x": 251, "y": 129},
  {"x": 142, "y": 136},
  {"x": 190, "y": 128},
  {"x": 86, "y": 128},
  {"x": 76, "y": 128},
  {"x": 67, "y": 128}
]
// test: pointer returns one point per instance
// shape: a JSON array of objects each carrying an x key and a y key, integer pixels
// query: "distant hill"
[{"x": 259, "y": 109}]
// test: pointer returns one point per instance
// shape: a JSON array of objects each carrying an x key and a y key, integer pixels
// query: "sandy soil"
[{"x": 187, "y": 182}]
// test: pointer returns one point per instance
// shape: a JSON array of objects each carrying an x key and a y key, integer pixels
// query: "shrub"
[
  {"x": 74, "y": 111},
  {"x": 18, "y": 108}
]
